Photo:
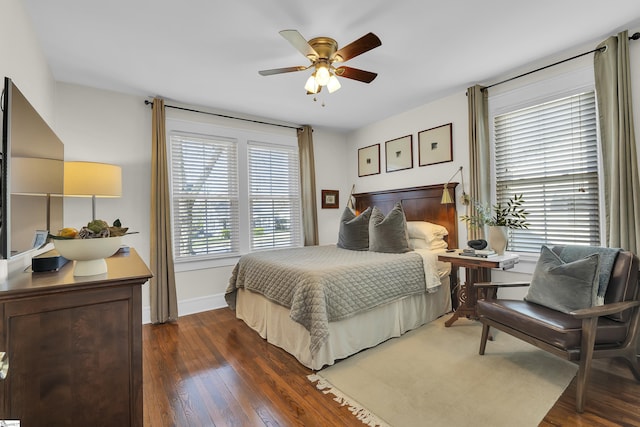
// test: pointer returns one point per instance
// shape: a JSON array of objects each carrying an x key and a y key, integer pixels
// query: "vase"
[{"x": 498, "y": 239}]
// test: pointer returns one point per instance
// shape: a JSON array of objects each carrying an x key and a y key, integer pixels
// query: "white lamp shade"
[
  {"x": 86, "y": 179},
  {"x": 322, "y": 75},
  {"x": 38, "y": 177},
  {"x": 333, "y": 84},
  {"x": 312, "y": 86}
]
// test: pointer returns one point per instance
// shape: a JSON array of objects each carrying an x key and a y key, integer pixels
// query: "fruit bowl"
[{"x": 88, "y": 254}]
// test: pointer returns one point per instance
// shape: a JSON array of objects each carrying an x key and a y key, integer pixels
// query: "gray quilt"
[{"x": 321, "y": 284}]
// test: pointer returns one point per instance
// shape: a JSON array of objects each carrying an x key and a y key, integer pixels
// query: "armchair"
[{"x": 579, "y": 335}]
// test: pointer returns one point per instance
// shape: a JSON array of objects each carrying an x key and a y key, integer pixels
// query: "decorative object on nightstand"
[
  {"x": 500, "y": 218},
  {"x": 90, "y": 179}
]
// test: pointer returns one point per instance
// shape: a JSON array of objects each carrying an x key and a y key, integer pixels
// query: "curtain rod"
[
  {"x": 635, "y": 36},
  {"x": 147, "y": 102}
]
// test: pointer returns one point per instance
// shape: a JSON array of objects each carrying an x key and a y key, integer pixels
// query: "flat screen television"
[{"x": 31, "y": 175}]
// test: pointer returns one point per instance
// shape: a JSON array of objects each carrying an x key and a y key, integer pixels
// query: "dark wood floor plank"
[{"x": 210, "y": 369}]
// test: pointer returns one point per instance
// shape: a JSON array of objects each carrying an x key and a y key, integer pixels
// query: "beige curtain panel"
[
  {"x": 479, "y": 154},
  {"x": 164, "y": 302},
  {"x": 618, "y": 143},
  {"x": 308, "y": 186}
]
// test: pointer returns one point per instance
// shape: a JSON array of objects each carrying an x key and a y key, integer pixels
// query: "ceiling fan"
[{"x": 323, "y": 52}]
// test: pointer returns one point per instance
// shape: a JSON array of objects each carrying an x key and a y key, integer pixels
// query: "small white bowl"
[{"x": 88, "y": 254}]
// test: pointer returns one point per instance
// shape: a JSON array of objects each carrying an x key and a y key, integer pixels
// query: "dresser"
[{"x": 74, "y": 346}]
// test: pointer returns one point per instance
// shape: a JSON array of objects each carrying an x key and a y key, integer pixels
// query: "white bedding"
[{"x": 348, "y": 336}]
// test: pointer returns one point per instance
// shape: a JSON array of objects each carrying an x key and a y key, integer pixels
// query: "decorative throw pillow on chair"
[{"x": 564, "y": 286}]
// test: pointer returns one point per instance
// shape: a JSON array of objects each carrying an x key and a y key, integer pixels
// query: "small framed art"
[
  {"x": 399, "y": 153},
  {"x": 369, "y": 160},
  {"x": 330, "y": 199},
  {"x": 435, "y": 145}
]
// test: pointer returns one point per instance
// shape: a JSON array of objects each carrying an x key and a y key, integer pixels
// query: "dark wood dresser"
[{"x": 74, "y": 346}]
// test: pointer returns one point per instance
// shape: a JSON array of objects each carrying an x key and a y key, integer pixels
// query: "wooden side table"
[{"x": 476, "y": 270}]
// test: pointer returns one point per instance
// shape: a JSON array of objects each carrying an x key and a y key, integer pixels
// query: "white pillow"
[
  {"x": 426, "y": 231},
  {"x": 422, "y": 244}
]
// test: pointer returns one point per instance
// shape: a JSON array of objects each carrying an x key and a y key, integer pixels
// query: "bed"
[{"x": 409, "y": 289}]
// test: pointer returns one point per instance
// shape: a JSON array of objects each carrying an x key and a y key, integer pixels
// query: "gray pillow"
[
  {"x": 564, "y": 286},
  {"x": 354, "y": 230},
  {"x": 388, "y": 234}
]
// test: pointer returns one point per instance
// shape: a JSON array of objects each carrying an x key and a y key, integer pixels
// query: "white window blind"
[
  {"x": 274, "y": 196},
  {"x": 548, "y": 153},
  {"x": 205, "y": 195}
]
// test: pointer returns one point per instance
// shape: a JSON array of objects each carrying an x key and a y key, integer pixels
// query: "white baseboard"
[{"x": 191, "y": 306}]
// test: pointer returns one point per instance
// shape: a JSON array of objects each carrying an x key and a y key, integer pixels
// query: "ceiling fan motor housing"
[{"x": 324, "y": 46}]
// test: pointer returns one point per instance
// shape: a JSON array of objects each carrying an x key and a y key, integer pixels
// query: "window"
[
  {"x": 274, "y": 196},
  {"x": 549, "y": 153},
  {"x": 234, "y": 191},
  {"x": 205, "y": 195}
]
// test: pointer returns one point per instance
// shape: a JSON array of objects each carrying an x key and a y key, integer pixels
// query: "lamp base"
[{"x": 90, "y": 267}]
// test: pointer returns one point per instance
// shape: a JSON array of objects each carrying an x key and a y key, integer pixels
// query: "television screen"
[{"x": 32, "y": 175}]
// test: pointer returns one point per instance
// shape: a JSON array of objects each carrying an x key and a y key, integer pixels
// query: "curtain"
[
  {"x": 479, "y": 155},
  {"x": 308, "y": 186},
  {"x": 164, "y": 303},
  {"x": 617, "y": 139}
]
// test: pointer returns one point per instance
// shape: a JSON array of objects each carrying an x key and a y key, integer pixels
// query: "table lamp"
[{"x": 92, "y": 179}]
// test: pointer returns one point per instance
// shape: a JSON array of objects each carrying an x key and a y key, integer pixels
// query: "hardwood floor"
[{"x": 210, "y": 369}]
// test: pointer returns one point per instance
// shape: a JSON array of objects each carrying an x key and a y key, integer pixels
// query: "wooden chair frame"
[{"x": 627, "y": 350}]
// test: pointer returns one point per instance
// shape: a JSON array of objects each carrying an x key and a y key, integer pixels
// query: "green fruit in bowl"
[{"x": 97, "y": 225}]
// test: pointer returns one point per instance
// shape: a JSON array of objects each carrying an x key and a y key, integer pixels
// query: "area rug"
[{"x": 434, "y": 376}]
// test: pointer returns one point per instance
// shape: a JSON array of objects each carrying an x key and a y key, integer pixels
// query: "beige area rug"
[{"x": 434, "y": 376}]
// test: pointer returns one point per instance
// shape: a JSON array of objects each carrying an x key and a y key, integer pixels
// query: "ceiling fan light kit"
[{"x": 323, "y": 53}]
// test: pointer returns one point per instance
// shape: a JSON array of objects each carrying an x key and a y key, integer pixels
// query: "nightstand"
[{"x": 476, "y": 270}]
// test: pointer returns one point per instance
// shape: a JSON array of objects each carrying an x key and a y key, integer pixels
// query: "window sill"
[
  {"x": 203, "y": 264},
  {"x": 527, "y": 263}
]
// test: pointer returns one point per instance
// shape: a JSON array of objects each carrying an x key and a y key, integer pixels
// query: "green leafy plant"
[{"x": 513, "y": 215}]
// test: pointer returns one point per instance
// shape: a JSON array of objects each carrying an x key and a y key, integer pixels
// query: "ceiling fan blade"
[
  {"x": 356, "y": 74},
  {"x": 281, "y": 70},
  {"x": 363, "y": 44},
  {"x": 300, "y": 43}
]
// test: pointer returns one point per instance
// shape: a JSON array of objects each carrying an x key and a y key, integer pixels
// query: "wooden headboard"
[{"x": 419, "y": 204}]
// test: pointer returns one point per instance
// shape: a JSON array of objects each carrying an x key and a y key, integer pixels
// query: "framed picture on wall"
[
  {"x": 369, "y": 160},
  {"x": 330, "y": 199},
  {"x": 399, "y": 153},
  {"x": 435, "y": 145}
]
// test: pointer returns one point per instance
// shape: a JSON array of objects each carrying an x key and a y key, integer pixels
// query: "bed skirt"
[{"x": 347, "y": 336}]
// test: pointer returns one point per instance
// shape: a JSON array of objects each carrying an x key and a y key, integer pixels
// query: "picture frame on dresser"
[
  {"x": 435, "y": 145},
  {"x": 369, "y": 160},
  {"x": 399, "y": 153}
]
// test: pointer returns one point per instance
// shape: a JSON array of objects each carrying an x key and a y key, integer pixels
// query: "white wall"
[
  {"x": 452, "y": 109},
  {"x": 22, "y": 59}
]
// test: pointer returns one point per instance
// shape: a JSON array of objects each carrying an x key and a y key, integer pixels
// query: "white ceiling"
[{"x": 208, "y": 52}]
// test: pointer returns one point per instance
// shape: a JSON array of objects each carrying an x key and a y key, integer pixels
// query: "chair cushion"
[
  {"x": 564, "y": 286},
  {"x": 548, "y": 325}
]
